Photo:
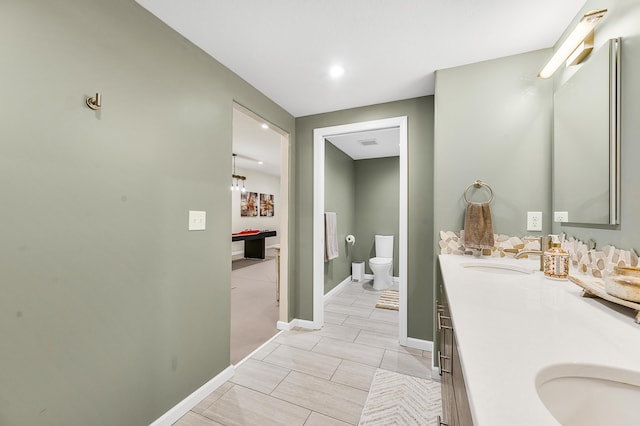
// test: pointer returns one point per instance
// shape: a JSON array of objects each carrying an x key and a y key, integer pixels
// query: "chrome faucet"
[{"x": 545, "y": 243}]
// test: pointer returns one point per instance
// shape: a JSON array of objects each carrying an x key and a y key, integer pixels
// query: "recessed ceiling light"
[
  {"x": 260, "y": 162},
  {"x": 336, "y": 71},
  {"x": 265, "y": 126}
]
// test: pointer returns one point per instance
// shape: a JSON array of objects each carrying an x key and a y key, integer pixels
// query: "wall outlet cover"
[
  {"x": 534, "y": 221},
  {"x": 561, "y": 216}
]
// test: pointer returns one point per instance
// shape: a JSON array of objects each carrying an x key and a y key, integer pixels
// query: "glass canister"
[{"x": 556, "y": 260}]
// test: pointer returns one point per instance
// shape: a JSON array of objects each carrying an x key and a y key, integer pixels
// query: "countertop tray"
[{"x": 595, "y": 288}]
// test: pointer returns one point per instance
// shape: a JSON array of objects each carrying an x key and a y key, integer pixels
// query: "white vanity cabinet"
[
  {"x": 511, "y": 328},
  {"x": 455, "y": 403}
]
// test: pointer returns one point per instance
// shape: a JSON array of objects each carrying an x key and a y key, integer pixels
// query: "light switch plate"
[
  {"x": 561, "y": 216},
  {"x": 197, "y": 220},
  {"x": 534, "y": 221}
]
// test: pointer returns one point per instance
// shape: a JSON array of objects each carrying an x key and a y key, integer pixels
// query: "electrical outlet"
[
  {"x": 534, "y": 221},
  {"x": 561, "y": 216}
]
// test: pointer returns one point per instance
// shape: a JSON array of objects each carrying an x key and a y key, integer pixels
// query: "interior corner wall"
[
  {"x": 106, "y": 296},
  {"x": 420, "y": 182},
  {"x": 493, "y": 122},
  {"x": 260, "y": 183},
  {"x": 339, "y": 197},
  {"x": 621, "y": 21},
  {"x": 377, "y": 200}
]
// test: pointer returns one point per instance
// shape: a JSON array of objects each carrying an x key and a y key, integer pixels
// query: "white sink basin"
[
  {"x": 497, "y": 267},
  {"x": 587, "y": 394}
]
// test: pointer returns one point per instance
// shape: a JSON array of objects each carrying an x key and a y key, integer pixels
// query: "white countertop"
[{"x": 509, "y": 327}]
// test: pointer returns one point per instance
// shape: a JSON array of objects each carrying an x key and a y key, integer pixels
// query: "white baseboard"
[
  {"x": 370, "y": 277},
  {"x": 424, "y": 345},
  {"x": 281, "y": 325},
  {"x": 337, "y": 288},
  {"x": 183, "y": 407}
]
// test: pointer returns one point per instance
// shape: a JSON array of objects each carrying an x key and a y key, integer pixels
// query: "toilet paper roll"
[{"x": 351, "y": 239}]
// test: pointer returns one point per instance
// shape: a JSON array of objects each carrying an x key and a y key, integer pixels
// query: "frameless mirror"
[{"x": 586, "y": 140}]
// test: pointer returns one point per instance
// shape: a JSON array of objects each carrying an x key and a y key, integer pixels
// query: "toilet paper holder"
[{"x": 351, "y": 239}]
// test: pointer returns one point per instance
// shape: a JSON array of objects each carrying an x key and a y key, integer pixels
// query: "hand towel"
[
  {"x": 478, "y": 228},
  {"x": 330, "y": 236}
]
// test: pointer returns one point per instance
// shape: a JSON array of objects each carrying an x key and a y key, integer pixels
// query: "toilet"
[{"x": 382, "y": 264}]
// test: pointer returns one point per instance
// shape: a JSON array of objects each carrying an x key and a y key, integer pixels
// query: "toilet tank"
[{"x": 384, "y": 246}]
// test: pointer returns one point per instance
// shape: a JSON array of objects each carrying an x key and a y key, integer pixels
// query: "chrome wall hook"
[{"x": 95, "y": 103}]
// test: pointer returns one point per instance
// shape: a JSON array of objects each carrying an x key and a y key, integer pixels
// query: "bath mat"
[
  {"x": 388, "y": 300},
  {"x": 398, "y": 399}
]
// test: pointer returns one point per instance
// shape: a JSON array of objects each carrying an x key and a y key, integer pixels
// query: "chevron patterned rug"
[{"x": 398, "y": 399}]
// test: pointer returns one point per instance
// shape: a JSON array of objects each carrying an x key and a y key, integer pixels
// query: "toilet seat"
[{"x": 380, "y": 260}]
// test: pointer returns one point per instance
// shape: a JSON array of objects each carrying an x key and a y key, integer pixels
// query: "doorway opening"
[
  {"x": 259, "y": 247},
  {"x": 319, "y": 138}
]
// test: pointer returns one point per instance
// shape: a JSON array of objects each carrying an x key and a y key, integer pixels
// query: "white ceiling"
[
  {"x": 371, "y": 144},
  {"x": 252, "y": 143},
  {"x": 389, "y": 49}
]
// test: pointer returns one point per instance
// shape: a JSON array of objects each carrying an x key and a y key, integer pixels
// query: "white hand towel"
[{"x": 330, "y": 236}]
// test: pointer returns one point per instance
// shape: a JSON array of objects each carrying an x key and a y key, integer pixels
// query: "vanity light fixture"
[
  {"x": 580, "y": 34},
  {"x": 236, "y": 179}
]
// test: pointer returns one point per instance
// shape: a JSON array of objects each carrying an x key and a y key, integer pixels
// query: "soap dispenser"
[{"x": 556, "y": 260}]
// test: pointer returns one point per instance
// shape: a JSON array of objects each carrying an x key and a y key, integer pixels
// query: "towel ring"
[{"x": 477, "y": 184}]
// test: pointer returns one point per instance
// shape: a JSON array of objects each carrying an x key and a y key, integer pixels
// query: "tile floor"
[{"x": 315, "y": 377}]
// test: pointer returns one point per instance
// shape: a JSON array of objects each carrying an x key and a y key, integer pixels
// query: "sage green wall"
[
  {"x": 112, "y": 312},
  {"x": 420, "y": 245},
  {"x": 493, "y": 122},
  {"x": 339, "y": 197},
  {"x": 622, "y": 21},
  {"x": 377, "y": 201}
]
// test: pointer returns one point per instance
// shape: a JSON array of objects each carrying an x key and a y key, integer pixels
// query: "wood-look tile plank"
[
  {"x": 386, "y": 315},
  {"x": 194, "y": 419},
  {"x": 317, "y": 419},
  {"x": 368, "y": 297},
  {"x": 411, "y": 365},
  {"x": 241, "y": 406},
  {"x": 357, "y": 311},
  {"x": 213, "y": 396},
  {"x": 385, "y": 342},
  {"x": 301, "y": 339},
  {"x": 350, "y": 351},
  {"x": 334, "y": 318},
  {"x": 258, "y": 375},
  {"x": 381, "y": 327},
  {"x": 343, "y": 299},
  {"x": 339, "y": 332},
  {"x": 331, "y": 399},
  {"x": 354, "y": 374},
  {"x": 265, "y": 350},
  {"x": 315, "y": 364}
]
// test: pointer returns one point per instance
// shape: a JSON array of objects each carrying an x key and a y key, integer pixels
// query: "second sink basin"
[{"x": 588, "y": 394}]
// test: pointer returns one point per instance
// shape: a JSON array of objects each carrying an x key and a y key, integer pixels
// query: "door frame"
[
  {"x": 283, "y": 211},
  {"x": 319, "y": 136}
]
